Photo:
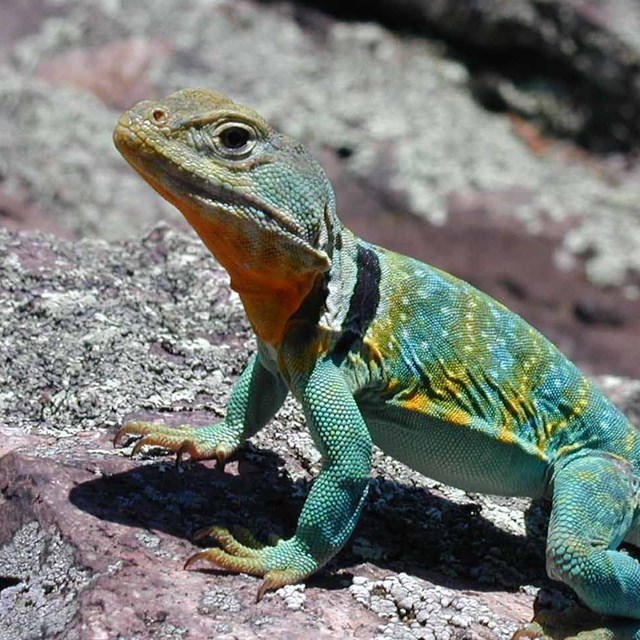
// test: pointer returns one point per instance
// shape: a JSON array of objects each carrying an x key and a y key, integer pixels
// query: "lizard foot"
[
  {"x": 280, "y": 563},
  {"x": 199, "y": 443}
]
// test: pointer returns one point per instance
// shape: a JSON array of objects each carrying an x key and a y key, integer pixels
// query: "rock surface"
[
  {"x": 92, "y": 542},
  {"x": 396, "y": 111}
]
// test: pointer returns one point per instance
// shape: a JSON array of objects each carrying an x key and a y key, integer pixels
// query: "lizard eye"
[{"x": 235, "y": 139}]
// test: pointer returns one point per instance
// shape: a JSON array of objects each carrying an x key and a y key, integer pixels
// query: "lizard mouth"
[{"x": 171, "y": 168}]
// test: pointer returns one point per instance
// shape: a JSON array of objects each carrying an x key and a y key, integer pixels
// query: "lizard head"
[{"x": 258, "y": 200}]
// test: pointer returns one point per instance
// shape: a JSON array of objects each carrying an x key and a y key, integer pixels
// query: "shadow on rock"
[
  {"x": 179, "y": 500},
  {"x": 403, "y": 528}
]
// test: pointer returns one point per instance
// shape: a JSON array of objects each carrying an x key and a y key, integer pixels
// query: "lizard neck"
[
  {"x": 341, "y": 303},
  {"x": 301, "y": 304},
  {"x": 269, "y": 309},
  {"x": 270, "y": 286}
]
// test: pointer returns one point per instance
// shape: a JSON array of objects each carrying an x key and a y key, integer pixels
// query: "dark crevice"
[{"x": 8, "y": 581}]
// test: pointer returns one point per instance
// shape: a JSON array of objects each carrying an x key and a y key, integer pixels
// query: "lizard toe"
[
  {"x": 183, "y": 440},
  {"x": 279, "y": 565},
  {"x": 237, "y": 564},
  {"x": 247, "y": 539},
  {"x": 254, "y": 565},
  {"x": 247, "y": 547}
]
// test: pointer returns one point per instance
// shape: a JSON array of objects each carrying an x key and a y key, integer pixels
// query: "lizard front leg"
[
  {"x": 256, "y": 397},
  {"x": 333, "y": 505}
]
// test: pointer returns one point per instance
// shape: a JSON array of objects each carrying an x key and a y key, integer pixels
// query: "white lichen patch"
[{"x": 419, "y": 610}]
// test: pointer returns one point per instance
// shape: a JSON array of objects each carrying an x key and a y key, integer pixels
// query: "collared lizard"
[{"x": 381, "y": 349}]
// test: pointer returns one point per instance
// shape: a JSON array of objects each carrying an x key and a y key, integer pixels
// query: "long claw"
[
  {"x": 203, "y": 533},
  {"x": 123, "y": 431},
  {"x": 144, "y": 429},
  {"x": 201, "y": 555},
  {"x": 262, "y": 589},
  {"x": 143, "y": 442},
  {"x": 274, "y": 580}
]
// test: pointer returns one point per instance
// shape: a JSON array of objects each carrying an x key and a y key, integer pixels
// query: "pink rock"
[{"x": 116, "y": 73}]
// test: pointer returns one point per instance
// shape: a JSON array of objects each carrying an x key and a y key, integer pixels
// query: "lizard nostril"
[{"x": 159, "y": 115}]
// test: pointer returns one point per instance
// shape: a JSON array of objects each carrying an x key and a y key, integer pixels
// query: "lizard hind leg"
[{"x": 595, "y": 499}]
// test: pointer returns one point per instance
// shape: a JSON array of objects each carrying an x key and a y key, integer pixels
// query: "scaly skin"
[{"x": 380, "y": 348}]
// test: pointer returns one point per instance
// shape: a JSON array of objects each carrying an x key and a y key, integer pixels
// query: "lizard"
[{"x": 379, "y": 349}]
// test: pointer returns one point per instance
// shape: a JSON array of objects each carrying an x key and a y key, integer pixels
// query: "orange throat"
[
  {"x": 270, "y": 310},
  {"x": 271, "y": 289}
]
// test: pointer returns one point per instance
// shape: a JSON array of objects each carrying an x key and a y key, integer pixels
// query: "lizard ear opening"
[{"x": 159, "y": 116}]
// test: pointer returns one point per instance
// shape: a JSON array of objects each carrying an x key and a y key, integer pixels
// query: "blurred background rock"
[{"x": 496, "y": 139}]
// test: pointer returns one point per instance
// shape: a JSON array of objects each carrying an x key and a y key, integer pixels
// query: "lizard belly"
[{"x": 460, "y": 456}]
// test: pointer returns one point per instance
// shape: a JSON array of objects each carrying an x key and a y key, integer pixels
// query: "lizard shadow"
[
  {"x": 450, "y": 544},
  {"x": 402, "y": 528}
]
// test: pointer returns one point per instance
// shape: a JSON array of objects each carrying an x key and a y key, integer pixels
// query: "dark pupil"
[{"x": 234, "y": 137}]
